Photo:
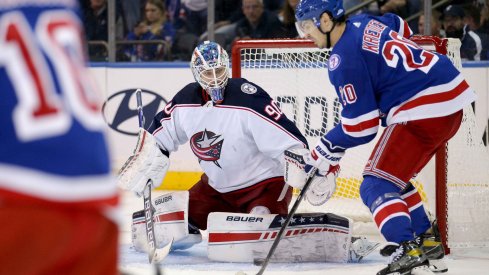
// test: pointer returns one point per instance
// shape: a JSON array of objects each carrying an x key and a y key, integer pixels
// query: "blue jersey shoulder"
[
  {"x": 192, "y": 93},
  {"x": 241, "y": 92},
  {"x": 391, "y": 20}
]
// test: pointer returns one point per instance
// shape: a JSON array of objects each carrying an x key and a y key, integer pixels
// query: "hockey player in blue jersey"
[
  {"x": 56, "y": 184},
  {"x": 381, "y": 77}
]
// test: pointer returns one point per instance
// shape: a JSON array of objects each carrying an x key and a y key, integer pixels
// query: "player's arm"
[
  {"x": 166, "y": 128},
  {"x": 359, "y": 117},
  {"x": 359, "y": 125}
]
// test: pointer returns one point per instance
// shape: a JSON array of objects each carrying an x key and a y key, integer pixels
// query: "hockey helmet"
[
  {"x": 308, "y": 13},
  {"x": 210, "y": 67}
]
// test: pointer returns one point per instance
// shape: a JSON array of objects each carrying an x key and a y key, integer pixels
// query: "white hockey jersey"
[{"x": 239, "y": 142}]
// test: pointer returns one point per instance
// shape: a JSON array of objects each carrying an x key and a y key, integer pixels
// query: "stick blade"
[
  {"x": 161, "y": 253},
  {"x": 258, "y": 261}
]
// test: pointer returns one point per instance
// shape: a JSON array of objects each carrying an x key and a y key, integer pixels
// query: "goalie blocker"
[{"x": 147, "y": 163}]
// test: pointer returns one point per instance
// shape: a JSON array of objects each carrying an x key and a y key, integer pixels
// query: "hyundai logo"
[{"x": 121, "y": 114}]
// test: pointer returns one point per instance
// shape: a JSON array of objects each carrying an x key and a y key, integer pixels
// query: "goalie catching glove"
[
  {"x": 146, "y": 163},
  {"x": 298, "y": 166}
]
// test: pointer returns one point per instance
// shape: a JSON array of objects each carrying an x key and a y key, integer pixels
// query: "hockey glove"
[
  {"x": 326, "y": 155},
  {"x": 295, "y": 164},
  {"x": 146, "y": 163},
  {"x": 298, "y": 164},
  {"x": 327, "y": 158},
  {"x": 323, "y": 187}
]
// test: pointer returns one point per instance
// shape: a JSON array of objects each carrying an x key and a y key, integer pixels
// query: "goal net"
[{"x": 455, "y": 187}]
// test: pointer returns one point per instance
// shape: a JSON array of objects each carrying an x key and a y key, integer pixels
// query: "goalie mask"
[{"x": 210, "y": 67}]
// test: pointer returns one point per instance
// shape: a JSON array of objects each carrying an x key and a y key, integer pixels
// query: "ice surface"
[{"x": 194, "y": 261}]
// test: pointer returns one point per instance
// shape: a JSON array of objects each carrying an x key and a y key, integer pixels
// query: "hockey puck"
[{"x": 258, "y": 261}]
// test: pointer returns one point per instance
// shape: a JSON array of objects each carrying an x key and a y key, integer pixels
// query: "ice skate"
[
  {"x": 407, "y": 259},
  {"x": 360, "y": 248},
  {"x": 430, "y": 243}
]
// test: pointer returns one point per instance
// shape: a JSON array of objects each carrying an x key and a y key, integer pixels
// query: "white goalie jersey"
[{"x": 238, "y": 143}]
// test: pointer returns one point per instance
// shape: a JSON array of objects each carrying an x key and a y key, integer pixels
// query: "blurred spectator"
[
  {"x": 230, "y": 10},
  {"x": 135, "y": 52},
  {"x": 96, "y": 26},
  {"x": 274, "y": 5},
  {"x": 195, "y": 15},
  {"x": 227, "y": 12},
  {"x": 403, "y": 8},
  {"x": 154, "y": 27},
  {"x": 485, "y": 18},
  {"x": 175, "y": 13},
  {"x": 156, "y": 19},
  {"x": 287, "y": 17},
  {"x": 348, "y": 4},
  {"x": 436, "y": 27},
  {"x": 132, "y": 12},
  {"x": 472, "y": 17},
  {"x": 258, "y": 22},
  {"x": 473, "y": 20},
  {"x": 472, "y": 44}
]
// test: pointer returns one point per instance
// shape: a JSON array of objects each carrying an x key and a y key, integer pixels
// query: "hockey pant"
[{"x": 401, "y": 152}]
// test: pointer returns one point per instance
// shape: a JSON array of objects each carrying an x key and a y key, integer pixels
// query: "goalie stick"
[
  {"x": 155, "y": 255},
  {"x": 264, "y": 262}
]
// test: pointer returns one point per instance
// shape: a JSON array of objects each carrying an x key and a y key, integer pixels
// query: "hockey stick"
[
  {"x": 264, "y": 262},
  {"x": 154, "y": 255},
  {"x": 148, "y": 219},
  {"x": 148, "y": 209}
]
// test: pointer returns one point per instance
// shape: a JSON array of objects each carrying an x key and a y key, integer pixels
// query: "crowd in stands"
[{"x": 166, "y": 30}]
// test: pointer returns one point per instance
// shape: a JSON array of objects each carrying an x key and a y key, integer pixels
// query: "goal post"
[{"x": 294, "y": 72}]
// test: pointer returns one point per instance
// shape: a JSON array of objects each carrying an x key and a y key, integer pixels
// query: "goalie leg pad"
[
  {"x": 170, "y": 222},
  {"x": 312, "y": 237}
]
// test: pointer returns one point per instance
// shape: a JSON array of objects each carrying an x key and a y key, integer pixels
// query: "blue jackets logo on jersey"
[
  {"x": 207, "y": 146},
  {"x": 121, "y": 107},
  {"x": 247, "y": 88}
]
